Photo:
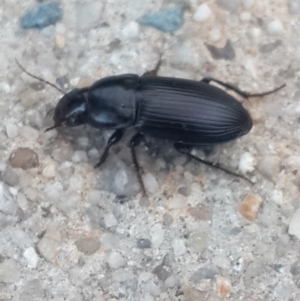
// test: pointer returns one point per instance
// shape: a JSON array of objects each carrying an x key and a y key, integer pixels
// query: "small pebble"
[
  {"x": 157, "y": 235},
  {"x": 275, "y": 27},
  {"x": 110, "y": 220},
  {"x": 250, "y": 206},
  {"x": 230, "y": 6},
  {"x": 245, "y": 17},
  {"x": 22, "y": 201},
  {"x": 167, "y": 219},
  {"x": 167, "y": 20},
  {"x": 50, "y": 170},
  {"x": 88, "y": 14},
  {"x": 143, "y": 243},
  {"x": 24, "y": 157},
  {"x": 202, "y": 13},
  {"x": 29, "y": 133},
  {"x": 294, "y": 226},
  {"x": 282, "y": 291},
  {"x": 131, "y": 30},
  {"x": 200, "y": 213},
  {"x": 3, "y": 108},
  {"x": 12, "y": 130},
  {"x": 223, "y": 285},
  {"x": 247, "y": 3},
  {"x": 63, "y": 151},
  {"x": 247, "y": 163},
  {"x": 226, "y": 53},
  {"x": 29, "y": 98},
  {"x": 171, "y": 281},
  {"x": 33, "y": 290},
  {"x": 42, "y": 15},
  {"x": 150, "y": 183},
  {"x": 60, "y": 41},
  {"x": 32, "y": 258},
  {"x": 9, "y": 271},
  {"x": 269, "y": 167},
  {"x": 178, "y": 246},
  {"x": 88, "y": 246},
  {"x": 294, "y": 7},
  {"x": 10, "y": 176},
  {"x": 50, "y": 244},
  {"x": 161, "y": 272},
  {"x": 79, "y": 156},
  {"x": 115, "y": 260},
  {"x": 215, "y": 35},
  {"x": 209, "y": 271},
  {"x": 198, "y": 241}
]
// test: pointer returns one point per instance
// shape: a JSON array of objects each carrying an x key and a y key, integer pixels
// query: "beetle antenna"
[{"x": 39, "y": 78}]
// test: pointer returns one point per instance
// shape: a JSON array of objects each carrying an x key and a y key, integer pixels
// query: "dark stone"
[{"x": 143, "y": 243}]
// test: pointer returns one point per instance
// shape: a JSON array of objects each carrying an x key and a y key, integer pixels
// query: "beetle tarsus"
[
  {"x": 155, "y": 70},
  {"x": 134, "y": 142},
  {"x": 238, "y": 90},
  {"x": 184, "y": 150},
  {"x": 114, "y": 138}
]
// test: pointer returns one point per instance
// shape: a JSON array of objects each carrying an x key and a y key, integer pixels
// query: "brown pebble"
[
  {"x": 223, "y": 285},
  {"x": 200, "y": 213},
  {"x": 24, "y": 157},
  {"x": 250, "y": 206}
]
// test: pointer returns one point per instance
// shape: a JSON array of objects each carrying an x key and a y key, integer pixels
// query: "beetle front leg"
[
  {"x": 239, "y": 91},
  {"x": 114, "y": 138},
  {"x": 183, "y": 149},
  {"x": 134, "y": 142}
]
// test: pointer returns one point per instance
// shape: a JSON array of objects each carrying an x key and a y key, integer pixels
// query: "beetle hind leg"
[
  {"x": 114, "y": 138},
  {"x": 183, "y": 149},
  {"x": 134, "y": 142},
  {"x": 238, "y": 90}
]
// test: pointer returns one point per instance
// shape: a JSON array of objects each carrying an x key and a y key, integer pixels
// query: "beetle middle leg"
[
  {"x": 184, "y": 149},
  {"x": 114, "y": 138},
  {"x": 134, "y": 142},
  {"x": 239, "y": 91}
]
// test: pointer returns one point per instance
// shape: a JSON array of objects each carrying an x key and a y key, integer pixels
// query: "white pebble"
[
  {"x": 246, "y": 163},
  {"x": 12, "y": 130},
  {"x": 110, "y": 220},
  {"x": 79, "y": 156},
  {"x": 22, "y": 201},
  {"x": 150, "y": 183},
  {"x": 215, "y": 35},
  {"x": 178, "y": 247},
  {"x": 275, "y": 27},
  {"x": 202, "y": 13},
  {"x": 245, "y": 17},
  {"x": 50, "y": 170},
  {"x": 115, "y": 260},
  {"x": 255, "y": 33},
  {"x": 32, "y": 258},
  {"x": 29, "y": 133},
  {"x": 157, "y": 235},
  {"x": 294, "y": 227},
  {"x": 131, "y": 30}
]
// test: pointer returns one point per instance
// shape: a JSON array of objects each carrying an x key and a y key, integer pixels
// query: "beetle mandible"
[{"x": 185, "y": 112}]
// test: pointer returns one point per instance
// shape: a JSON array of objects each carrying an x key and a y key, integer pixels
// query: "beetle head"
[{"x": 71, "y": 109}]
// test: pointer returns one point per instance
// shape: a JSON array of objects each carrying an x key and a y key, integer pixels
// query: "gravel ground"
[{"x": 72, "y": 232}]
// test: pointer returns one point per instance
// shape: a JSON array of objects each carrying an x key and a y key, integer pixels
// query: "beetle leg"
[
  {"x": 238, "y": 91},
  {"x": 114, "y": 138},
  {"x": 154, "y": 71},
  {"x": 134, "y": 142},
  {"x": 183, "y": 149}
]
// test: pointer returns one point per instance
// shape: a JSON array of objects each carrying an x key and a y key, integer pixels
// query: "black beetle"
[{"x": 186, "y": 112}]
